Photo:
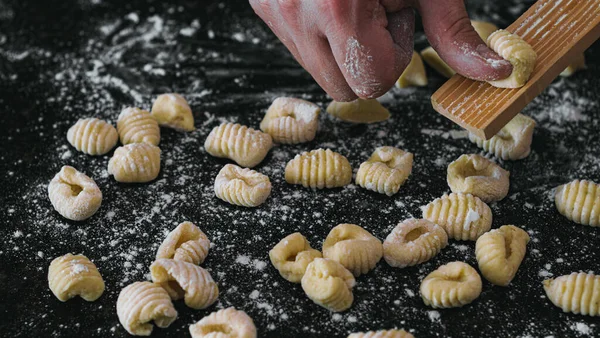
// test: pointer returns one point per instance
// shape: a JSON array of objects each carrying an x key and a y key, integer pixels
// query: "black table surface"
[{"x": 62, "y": 60}]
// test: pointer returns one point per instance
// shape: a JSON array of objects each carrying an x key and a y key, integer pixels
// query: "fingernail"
[{"x": 495, "y": 60}]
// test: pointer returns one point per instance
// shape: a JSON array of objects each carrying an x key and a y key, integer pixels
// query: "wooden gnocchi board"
[{"x": 558, "y": 30}]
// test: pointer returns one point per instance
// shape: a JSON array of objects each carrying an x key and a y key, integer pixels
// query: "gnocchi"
[
  {"x": 292, "y": 255},
  {"x": 385, "y": 171},
  {"x": 186, "y": 243},
  {"x": 75, "y": 275},
  {"x": 414, "y": 74},
  {"x": 353, "y": 247},
  {"x": 463, "y": 216},
  {"x": 93, "y": 136},
  {"x": 579, "y": 201},
  {"x": 329, "y": 284},
  {"x": 226, "y": 323},
  {"x": 185, "y": 280},
  {"x": 578, "y": 293},
  {"x": 413, "y": 242},
  {"x": 291, "y": 121},
  {"x": 173, "y": 111},
  {"x": 319, "y": 169},
  {"x": 138, "y": 126},
  {"x": 142, "y": 302},
  {"x": 246, "y": 146},
  {"x": 242, "y": 186},
  {"x": 74, "y": 195},
  {"x": 500, "y": 253},
  {"x": 513, "y": 142},
  {"x": 452, "y": 285},
  {"x": 359, "y": 111},
  {"x": 135, "y": 163},
  {"x": 476, "y": 175},
  {"x": 520, "y": 54}
]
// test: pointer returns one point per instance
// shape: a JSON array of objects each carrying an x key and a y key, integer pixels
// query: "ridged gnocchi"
[
  {"x": 226, "y": 323},
  {"x": 290, "y": 121},
  {"x": 579, "y": 201},
  {"x": 135, "y": 163},
  {"x": 292, "y": 255},
  {"x": 385, "y": 171},
  {"x": 359, "y": 111},
  {"x": 578, "y": 293},
  {"x": 142, "y": 302},
  {"x": 186, "y": 243},
  {"x": 242, "y": 186},
  {"x": 329, "y": 284},
  {"x": 353, "y": 247},
  {"x": 138, "y": 126},
  {"x": 518, "y": 52},
  {"x": 413, "y": 242},
  {"x": 74, "y": 195},
  {"x": 93, "y": 136},
  {"x": 452, "y": 285},
  {"x": 414, "y": 74},
  {"x": 463, "y": 216},
  {"x": 478, "y": 176},
  {"x": 185, "y": 280},
  {"x": 246, "y": 146},
  {"x": 513, "y": 142},
  {"x": 173, "y": 111},
  {"x": 382, "y": 334},
  {"x": 319, "y": 169},
  {"x": 500, "y": 253},
  {"x": 75, "y": 275}
]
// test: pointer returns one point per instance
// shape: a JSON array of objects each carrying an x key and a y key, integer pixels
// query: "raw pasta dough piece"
[
  {"x": 186, "y": 243},
  {"x": 329, "y": 284},
  {"x": 74, "y": 195},
  {"x": 319, "y": 169},
  {"x": 577, "y": 64},
  {"x": 382, "y": 334},
  {"x": 142, "y": 302},
  {"x": 579, "y": 201},
  {"x": 93, "y": 136},
  {"x": 74, "y": 275},
  {"x": 452, "y": 285},
  {"x": 242, "y": 186},
  {"x": 518, "y": 52},
  {"x": 289, "y": 120},
  {"x": 138, "y": 126},
  {"x": 135, "y": 163},
  {"x": 413, "y": 242},
  {"x": 500, "y": 253},
  {"x": 578, "y": 293},
  {"x": 431, "y": 57},
  {"x": 359, "y": 111},
  {"x": 463, "y": 216},
  {"x": 185, "y": 280},
  {"x": 246, "y": 146},
  {"x": 173, "y": 111},
  {"x": 513, "y": 142},
  {"x": 353, "y": 247},
  {"x": 226, "y": 323},
  {"x": 478, "y": 176},
  {"x": 414, "y": 74},
  {"x": 385, "y": 171},
  {"x": 292, "y": 255}
]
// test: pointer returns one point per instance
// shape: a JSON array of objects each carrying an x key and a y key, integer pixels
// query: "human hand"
[{"x": 359, "y": 48}]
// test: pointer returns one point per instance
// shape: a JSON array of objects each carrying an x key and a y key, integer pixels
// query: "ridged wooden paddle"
[{"x": 558, "y": 30}]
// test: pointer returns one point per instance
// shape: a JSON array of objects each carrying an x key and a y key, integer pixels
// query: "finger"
[
  {"x": 363, "y": 47},
  {"x": 450, "y": 33},
  {"x": 268, "y": 11}
]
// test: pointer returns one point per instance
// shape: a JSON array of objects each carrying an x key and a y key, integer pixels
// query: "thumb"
[{"x": 450, "y": 33}]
